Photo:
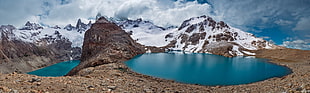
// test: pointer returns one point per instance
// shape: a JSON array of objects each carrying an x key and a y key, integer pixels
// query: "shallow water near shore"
[
  {"x": 56, "y": 70},
  {"x": 205, "y": 69}
]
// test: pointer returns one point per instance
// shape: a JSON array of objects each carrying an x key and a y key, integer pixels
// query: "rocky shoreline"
[{"x": 116, "y": 77}]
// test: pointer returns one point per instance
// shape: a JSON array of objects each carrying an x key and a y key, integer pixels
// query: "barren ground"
[{"x": 116, "y": 77}]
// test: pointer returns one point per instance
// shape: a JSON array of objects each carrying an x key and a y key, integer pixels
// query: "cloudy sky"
[{"x": 285, "y": 22}]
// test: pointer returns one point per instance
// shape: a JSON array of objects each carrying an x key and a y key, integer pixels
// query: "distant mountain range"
[
  {"x": 198, "y": 34},
  {"x": 33, "y": 46}
]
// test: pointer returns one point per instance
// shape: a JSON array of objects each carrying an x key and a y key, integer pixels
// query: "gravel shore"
[{"x": 116, "y": 78}]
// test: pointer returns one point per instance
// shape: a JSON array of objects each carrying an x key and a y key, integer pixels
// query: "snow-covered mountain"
[
  {"x": 33, "y": 46},
  {"x": 54, "y": 44},
  {"x": 39, "y": 35},
  {"x": 146, "y": 33},
  {"x": 198, "y": 34},
  {"x": 205, "y": 35}
]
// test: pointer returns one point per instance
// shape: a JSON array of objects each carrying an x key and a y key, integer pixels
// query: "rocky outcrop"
[{"x": 104, "y": 43}]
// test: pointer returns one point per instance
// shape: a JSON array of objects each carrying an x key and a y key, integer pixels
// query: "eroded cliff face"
[{"x": 104, "y": 43}]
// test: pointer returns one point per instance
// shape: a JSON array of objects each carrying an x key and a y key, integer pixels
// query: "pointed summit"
[
  {"x": 69, "y": 27},
  {"x": 102, "y": 20},
  {"x": 79, "y": 24},
  {"x": 28, "y": 24},
  {"x": 98, "y": 16},
  {"x": 31, "y": 26},
  {"x": 205, "y": 35},
  {"x": 89, "y": 23}
]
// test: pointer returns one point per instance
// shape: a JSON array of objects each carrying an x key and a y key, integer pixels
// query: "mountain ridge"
[
  {"x": 205, "y": 35},
  {"x": 197, "y": 34},
  {"x": 33, "y": 46}
]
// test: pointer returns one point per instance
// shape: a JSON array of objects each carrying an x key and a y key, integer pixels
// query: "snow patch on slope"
[
  {"x": 35, "y": 36},
  {"x": 146, "y": 33},
  {"x": 210, "y": 33},
  {"x": 198, "y": 34},
  {"x": 39, "y": 35}
]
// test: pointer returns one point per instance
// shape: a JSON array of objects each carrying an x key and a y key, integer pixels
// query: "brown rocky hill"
[{"x": 104, "y": 43}]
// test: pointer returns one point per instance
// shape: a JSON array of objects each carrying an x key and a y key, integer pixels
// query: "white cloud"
[
  {"x": 132, "y": 8},
  {"x": 161, "y": 12},
  {"x": 251, "y": 12},
  {"x": 18, "y": 12},
  {"x": 303, "y": 24},
  {"x": 297, "y": 44},
  {"x": 247, "y": 15},
  {"x": 283, "y": 22}
]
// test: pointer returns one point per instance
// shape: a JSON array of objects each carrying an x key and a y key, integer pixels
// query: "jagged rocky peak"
[
  {"x": 6, "y": 32},
  {"x": 102, "y": 20},
  {"x": 132, "y": 23},
  {"x": 205, "y": 35},
  {"x": 45, "y": 45},
  {"x": 31, "y": 26},
  {"x": 139, "y": 23},
  {"x": 98, "y": 16},
  {"x": 203, "y": 20},
  {"x": 19, "y": 51},
  {"x": 56, "y": 27},
  {"x": 7, "y": 28},
  {"x": 89, "y": 23},
  {"x": 80, "y": 26},
  {"x": 69, "y": 27},
  {"x": 145, "y": 32}
]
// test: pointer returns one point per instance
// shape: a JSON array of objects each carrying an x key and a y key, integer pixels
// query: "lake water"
[
  {"x": 206, "y": 69},
  {"x": 56, "y": 70}
]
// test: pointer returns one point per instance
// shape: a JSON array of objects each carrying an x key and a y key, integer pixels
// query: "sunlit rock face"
[{"x": 104, "y": 43}]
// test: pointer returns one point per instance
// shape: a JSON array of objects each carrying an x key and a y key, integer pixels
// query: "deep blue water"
[
  {"x": 206, "y": 69},
  {"x": 56, "y": 70}
]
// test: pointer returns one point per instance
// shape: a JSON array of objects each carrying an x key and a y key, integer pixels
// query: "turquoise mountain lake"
[
  {"x": 206, "y": 69},
  {"x": 56, "y": 70}
]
